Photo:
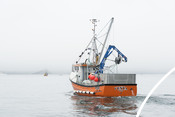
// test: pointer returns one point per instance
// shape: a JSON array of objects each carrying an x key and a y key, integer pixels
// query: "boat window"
[{"x": 76, "y": 68}]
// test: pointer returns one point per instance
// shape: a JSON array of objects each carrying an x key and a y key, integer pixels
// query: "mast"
[
  {"x": 112, "y": 19},
  {"x": 94, "y": 45},
  {"x": 94, "y": 56}
]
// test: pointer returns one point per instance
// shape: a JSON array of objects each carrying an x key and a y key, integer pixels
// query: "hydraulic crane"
[{"x": 111, "y": 48}]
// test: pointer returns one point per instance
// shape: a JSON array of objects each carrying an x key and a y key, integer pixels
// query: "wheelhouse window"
[{"x": 75, "y": 68}]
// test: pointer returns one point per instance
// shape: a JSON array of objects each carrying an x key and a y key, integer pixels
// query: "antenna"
[{"x": 94, "y": 21}]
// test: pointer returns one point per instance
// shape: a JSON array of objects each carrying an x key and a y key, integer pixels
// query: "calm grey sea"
[{"x": 52, "y": 96}]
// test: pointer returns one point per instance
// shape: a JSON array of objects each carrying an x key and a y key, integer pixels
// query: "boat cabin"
[{"x": 81, "y": 75}]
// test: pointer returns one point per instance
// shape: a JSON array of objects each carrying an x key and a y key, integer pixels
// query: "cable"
[
  {"x": 102, "y": 35},
  {"x": 103, "y": 27}
]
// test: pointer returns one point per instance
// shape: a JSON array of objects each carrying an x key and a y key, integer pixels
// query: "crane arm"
[{"x": 110, "y": 49}]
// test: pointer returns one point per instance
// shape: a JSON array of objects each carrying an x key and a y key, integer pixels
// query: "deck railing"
[{"x": 114, "y": 79}]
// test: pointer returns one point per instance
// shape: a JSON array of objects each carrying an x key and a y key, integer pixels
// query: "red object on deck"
[
  {"x": 89, "y": 76},
  {"x": 92, "y": 77},
  {"x": 96, "y": 79}
]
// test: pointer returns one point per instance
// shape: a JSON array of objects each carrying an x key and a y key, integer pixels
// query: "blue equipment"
[{"x": 107, "y": 54}]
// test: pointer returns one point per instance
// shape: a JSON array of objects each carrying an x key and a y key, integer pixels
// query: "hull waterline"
[{"x": 106, "y": 90}]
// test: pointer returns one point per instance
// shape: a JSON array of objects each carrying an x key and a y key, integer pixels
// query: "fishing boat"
[
  {"x": 91, "y": 77},
  {"x": 45, "y": 74}
]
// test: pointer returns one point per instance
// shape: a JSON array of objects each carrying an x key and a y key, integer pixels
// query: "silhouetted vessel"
[{"x": 45, "y": 74}]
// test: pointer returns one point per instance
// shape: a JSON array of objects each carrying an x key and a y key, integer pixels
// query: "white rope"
[
  {"x": 99, "y": 42},
  {"x": 152, "y": 90},
  {"x": 102, "y": 35},
  {"x": 105, "y": 47},
  {"x": 85, "y": 50},
  {"x": 103, "y": 28}
]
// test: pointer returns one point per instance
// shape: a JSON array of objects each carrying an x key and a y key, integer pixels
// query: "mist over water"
[
  {"x": 42, "y": 34},
  {"x": 52, "y": 96}
]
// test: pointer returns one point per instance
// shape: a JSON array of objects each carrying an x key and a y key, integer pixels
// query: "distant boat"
[
  {"x": 90, "y": 77},
  {"x": 45, "y": 74}
]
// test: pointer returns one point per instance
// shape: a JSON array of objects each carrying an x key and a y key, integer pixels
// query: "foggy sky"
[{"x": 44, "y": 34}]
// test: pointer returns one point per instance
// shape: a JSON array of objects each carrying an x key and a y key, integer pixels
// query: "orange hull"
[{"x": 106, "y": 90}]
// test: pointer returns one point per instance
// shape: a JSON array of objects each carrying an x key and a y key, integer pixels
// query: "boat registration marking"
[{"x": 121, "y": 88}]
